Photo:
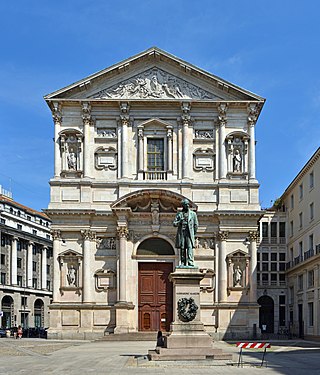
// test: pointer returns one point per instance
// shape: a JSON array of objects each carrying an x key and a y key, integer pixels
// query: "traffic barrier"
[{"x": 253, "y": 345}]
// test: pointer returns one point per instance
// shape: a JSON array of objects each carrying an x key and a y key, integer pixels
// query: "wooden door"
[{"x": 155, "y": 296}]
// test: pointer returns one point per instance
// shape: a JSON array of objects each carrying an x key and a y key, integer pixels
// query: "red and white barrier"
[{"x": 253, "y": 345}]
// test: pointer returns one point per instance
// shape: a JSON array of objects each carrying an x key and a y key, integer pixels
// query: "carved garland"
[{"x": 187, "y": 309}]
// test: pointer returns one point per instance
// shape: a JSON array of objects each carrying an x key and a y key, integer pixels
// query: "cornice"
[{"x": 308, "y": 165}]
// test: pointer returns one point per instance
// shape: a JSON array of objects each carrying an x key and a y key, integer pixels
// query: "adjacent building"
[
  {"x": 301, "y": 201},
  {"x": 25, "y": 264},
  {"x": 131, "y": 142},
  {"x": 271, "y": 273}
]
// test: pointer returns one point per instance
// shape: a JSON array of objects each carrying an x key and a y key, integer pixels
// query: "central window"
[{"x": 155, "y": 154}]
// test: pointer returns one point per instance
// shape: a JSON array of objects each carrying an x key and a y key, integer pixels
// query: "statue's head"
[{"x": 185, "y": 203}]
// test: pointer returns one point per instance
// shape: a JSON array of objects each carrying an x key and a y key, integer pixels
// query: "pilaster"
[
  {"x": 57, "y": 118},
  {"x": 56, "y": 236},
  {"x": 252, "y": 118},
  {"x": 87, "y": 281},
  {"x": 29, "y": 264},
  {"x": 222, "y": 268},
  {"x": 253, "y": 237},
  {"x": 44, "y": 268},
  {"x": 87, "y": 121},
  {"x": 222, "y": 120}
]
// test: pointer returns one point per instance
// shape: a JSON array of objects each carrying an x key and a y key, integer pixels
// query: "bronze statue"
[{"x": 187, "y": 223}]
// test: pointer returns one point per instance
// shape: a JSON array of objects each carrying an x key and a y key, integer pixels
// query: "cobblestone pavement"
[{"x": 38, "y": 356}]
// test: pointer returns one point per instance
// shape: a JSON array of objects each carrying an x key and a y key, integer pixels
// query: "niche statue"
[{"x": 187, "y": 223}]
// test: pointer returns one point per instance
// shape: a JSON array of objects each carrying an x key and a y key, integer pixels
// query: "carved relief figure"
[
  {"x": 71, "y": 276},
  {"x": 154, "y": 83},
  {"x": 237, "y": 276},
  {"x": 237, "y": 159},
  {"x": 155, "y": 213}
]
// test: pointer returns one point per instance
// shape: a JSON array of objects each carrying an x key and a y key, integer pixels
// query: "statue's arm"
[
  {"x": 195, "y": 223},
  {"x": 177, "y": 219}
]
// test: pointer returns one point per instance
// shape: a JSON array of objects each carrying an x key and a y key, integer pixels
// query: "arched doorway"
[
  {"x": 154, "y": 287},
  {"x": 266, "y": 314},
  {"x": 38, "y": 313},
  {"x": 8, "y": 312}
]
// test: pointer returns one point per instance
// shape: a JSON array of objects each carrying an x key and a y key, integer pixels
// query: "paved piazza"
[{"x": 113, "y": 357}]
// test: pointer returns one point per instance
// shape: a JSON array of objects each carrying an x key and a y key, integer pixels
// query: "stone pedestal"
[{"x": 187, "y": 340}]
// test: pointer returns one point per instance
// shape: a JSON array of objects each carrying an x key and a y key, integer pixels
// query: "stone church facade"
[{"x": 131, "y": 142}]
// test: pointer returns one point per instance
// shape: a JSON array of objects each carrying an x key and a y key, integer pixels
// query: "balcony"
[
  {"x": 301, "y": 258},
  {"x": 308, "y": 254},
  {"x": 155, "y": 175},
  {"x": 273, "y": 240}
]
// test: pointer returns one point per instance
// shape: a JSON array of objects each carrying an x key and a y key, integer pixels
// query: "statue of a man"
[{"x": 187, "y": 223}]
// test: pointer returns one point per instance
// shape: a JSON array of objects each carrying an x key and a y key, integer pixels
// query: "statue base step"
[{"x": 188, "y": 354}]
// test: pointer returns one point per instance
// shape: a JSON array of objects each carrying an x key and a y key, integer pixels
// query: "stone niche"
[
  {"x": 238, "y": 271},
  {"x": 71, "y": 153},
  {"x": 70, "y": 272}
]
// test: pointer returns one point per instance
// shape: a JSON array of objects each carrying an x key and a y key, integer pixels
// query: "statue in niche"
[
  {"x": 71, "y": 276},
  {"x": 237, "y": 159},
  {"x": 71, "y": 159},
  {"x": 237, "y": 276}
]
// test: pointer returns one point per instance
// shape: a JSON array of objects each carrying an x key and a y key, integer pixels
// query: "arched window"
[{"x": 155, "y": 246}]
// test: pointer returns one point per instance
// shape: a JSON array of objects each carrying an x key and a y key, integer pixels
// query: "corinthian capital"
[
  {"x": 88, "y": 234},
  {"x": 222, "y": 117},
  {"x": 56, "y": 113},
  {"x": 253, "y": 236},
  {"x": 252, "y": 113},
  {"x": 56, "y": 234},
  {"x": 86, "y": 113},
  {"x": 223, "y": 235},
  {"x": 122, "y": 232}
]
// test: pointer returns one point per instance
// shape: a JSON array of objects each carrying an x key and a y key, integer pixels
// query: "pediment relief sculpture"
[{"x": 154, "y": 83}]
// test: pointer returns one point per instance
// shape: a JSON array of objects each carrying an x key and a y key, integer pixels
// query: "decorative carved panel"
[
  {"x": 154, "y": 83},
  {"x": 106, "y": 158}
]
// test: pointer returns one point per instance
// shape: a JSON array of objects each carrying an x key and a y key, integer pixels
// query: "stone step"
[
  {"x": 134, "y": 336},
  {"x": 182, "y": 355}
]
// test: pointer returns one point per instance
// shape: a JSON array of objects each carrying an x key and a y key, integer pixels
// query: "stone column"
[
  {"x": 125, "y": 122},
  {"x": 122, "y": 232},
  {"x": 57, "y": 118},
  {"x": 14, "y": 273},
  {"x": 29, "y": 264},
  {"x": 169, "y": 147},
  {"x": 56, "y": 236},
  {"x": 252, "y": 118},
  {"x": 253, "y": 237},
  {"x": 44, "y": 268},
  {"x": 86, "y": 117},
  {"x": 87, "y": 279},
  {"x": 222, "y": 268},
  {"x": 222, "y": 118},
  {"x": 185, "y": 119}
]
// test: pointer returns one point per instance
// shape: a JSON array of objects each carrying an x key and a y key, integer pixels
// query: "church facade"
[{"x": 131, "y": 142}]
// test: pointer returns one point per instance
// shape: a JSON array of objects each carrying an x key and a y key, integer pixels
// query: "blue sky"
[{"x": 271, "y": 48}]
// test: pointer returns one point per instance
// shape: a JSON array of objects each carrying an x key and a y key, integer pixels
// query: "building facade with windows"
[
  {"x": 131, "y": 142},
  {"x": 26, "y": 264},
  {"x": 302, "y": 204},
  {"x": 271, "y": 273}
]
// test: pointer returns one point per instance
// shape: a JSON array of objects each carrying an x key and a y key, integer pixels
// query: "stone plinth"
[{"x": 188, "y": 339}]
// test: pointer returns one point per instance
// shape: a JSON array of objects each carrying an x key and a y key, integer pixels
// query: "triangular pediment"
[{"x": 153, "y": 75}]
